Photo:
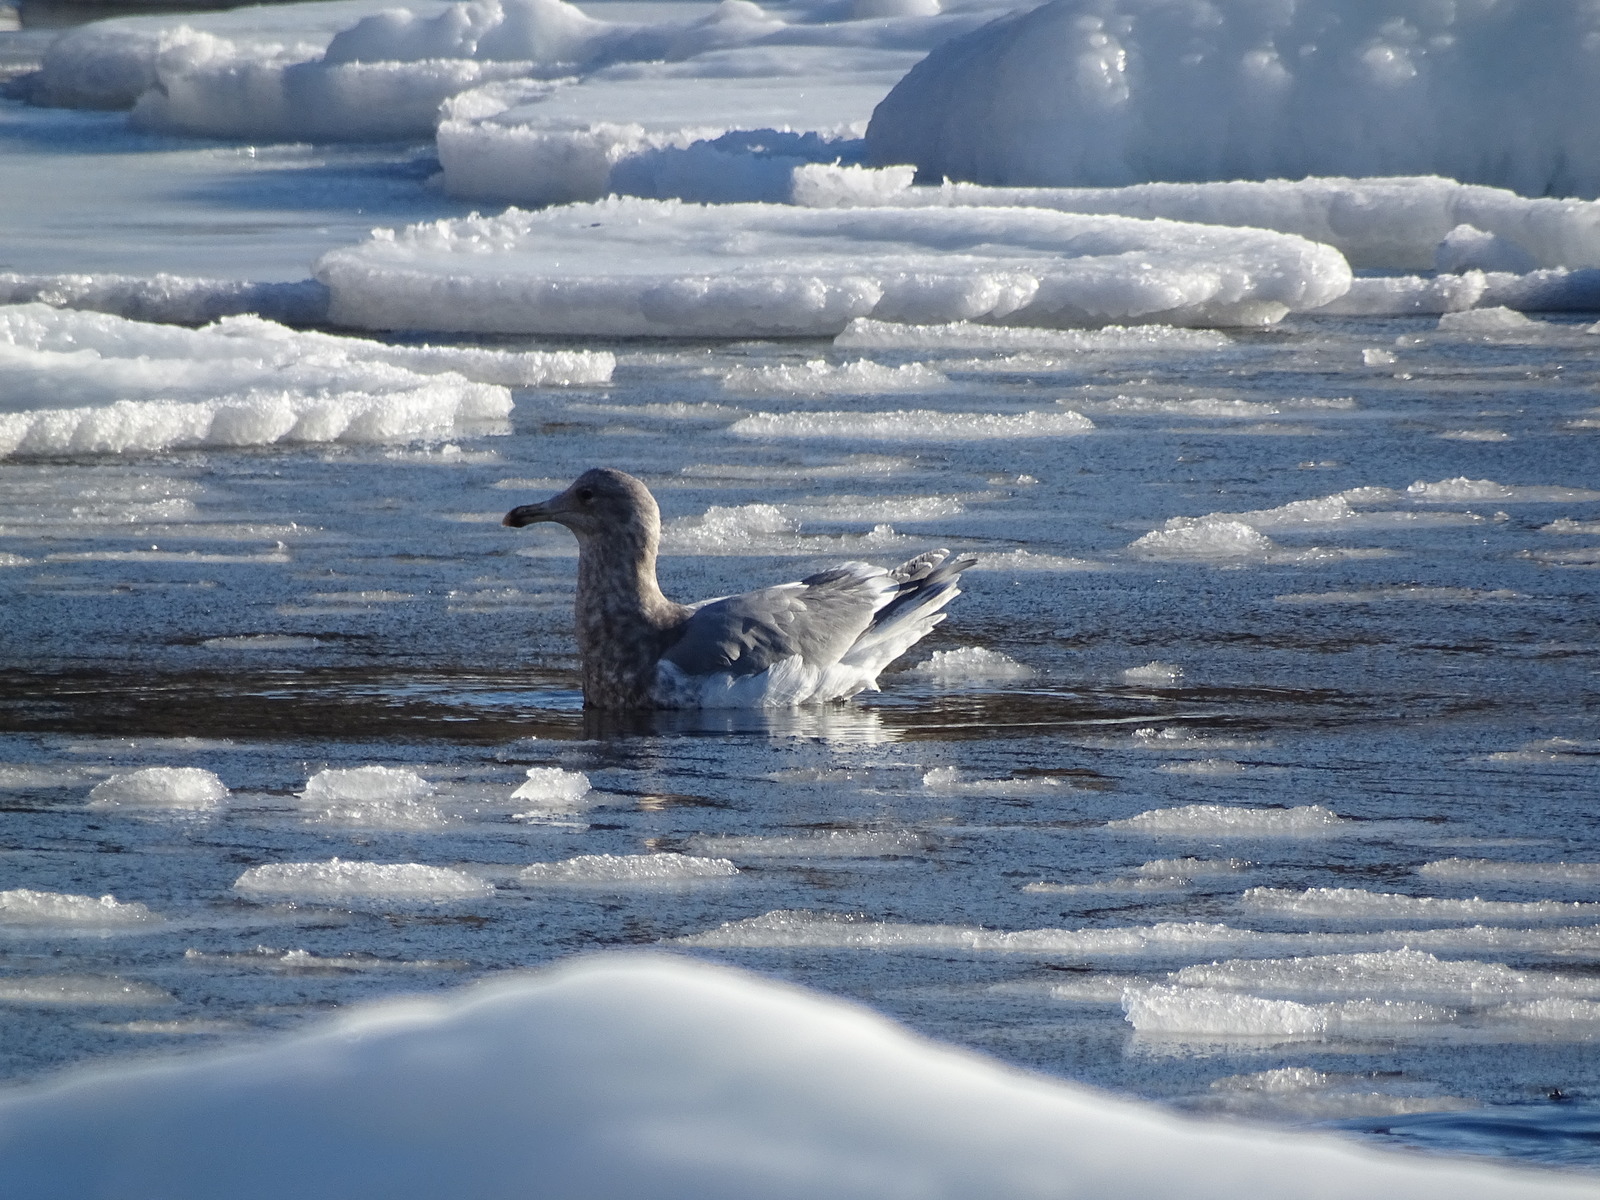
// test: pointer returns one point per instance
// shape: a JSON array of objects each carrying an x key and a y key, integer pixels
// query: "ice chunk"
[
  {"x": 336, "y": 880},
  {"x": 262, "y": 641},
  {"x": 1468, "y": 248},
  {"x": 371, "y": 798},
  {"x": 913, "y": 425},
  {"x": 1394, "y": 974},
  {"x": 1487, "y": 322},
  {"x": 1153, "y": 673},
  {"x": 79, "y": 990},
  {"x": 1084, "y": 93},
  {"x": 832, "y": 843},
  {"x": 972, "y": 664},
  {"x": 1203, "y": 766},
  {"x": 1483, "y": 870},
  {"x": 866, "y": 334},
  {"x": 784, "y": 1093},
  {"x": 1362, "y": 904},
  {"x": 1219, "y": 820},
  {"x": 953, "y": 779},
  {"x": 1168, "y": 1011},
  {"x": 626, "y": 267},
  {"x": 1406, "y": 295},
  {"x": 817, "y": 377},
  {"x": 552, "y": 790},
  {"x": 1405, "y": 593},
  {"x": 188, "y": 788},
  {"x": 1460, "y": 489},
  {"x": 170, "y": 299},
  {"x": 63, "y": 910},
  {"x": 1191, "y": 868},
  {"x": 602, "y": 870},
  {"x": 90, "y": 383}
]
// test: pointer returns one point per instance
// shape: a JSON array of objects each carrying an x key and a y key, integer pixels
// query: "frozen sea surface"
[{"x": 1252, "y": 774}]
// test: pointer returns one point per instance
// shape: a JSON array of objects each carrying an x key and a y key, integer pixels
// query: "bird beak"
[{"x": 528, "y": 514}]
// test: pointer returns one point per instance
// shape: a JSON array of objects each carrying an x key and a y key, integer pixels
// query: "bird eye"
[{"x": 585, "y": 495}]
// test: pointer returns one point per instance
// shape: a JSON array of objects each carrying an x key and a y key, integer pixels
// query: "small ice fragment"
[
  {"x": 1154, "y": 674},
  {"x": 817, "y": 377},
  {"x": 972, "y": 664},
  {"x": 1482, "y": 870},
  {"x": 1191, "y": 868},
  {"x": 261, "y": 641},
  {"x": 1374, "y": 357},
  {"x": 84, "y": 990},
  {"x": 913, "y": 425},
  {"x": 338, "y": 880},
  {"x": 188, "y": 788},
  {"x": 552, "y": 789},
  {"x": 24, "y": 906},
  {"x": 600, "y": 869},
  {"x": 1203, "y": 766},
  {"x": 1475, "y": 435},
  {"x": 832, "y": 843},
  {"x": 1218, "y": 820},
  {"x": 1481, "y": 322},
  {"x": 365, "y": 784}
]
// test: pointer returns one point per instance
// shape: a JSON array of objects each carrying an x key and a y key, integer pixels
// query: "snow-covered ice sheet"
[
  {"x": 1080, "y": 93},
  {"x": 559, "y": 1081},
  {"x": 1389, "y": 223},
  {"x": 92, "y": 383},
  {"x": 625, "y": 267}
]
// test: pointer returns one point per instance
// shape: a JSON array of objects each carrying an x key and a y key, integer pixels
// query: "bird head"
[{"x": 600, "y": 499}]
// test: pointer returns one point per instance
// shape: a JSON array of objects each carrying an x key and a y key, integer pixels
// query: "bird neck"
[{"x": 622, "y": 618}]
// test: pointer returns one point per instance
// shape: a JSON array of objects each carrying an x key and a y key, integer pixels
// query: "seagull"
[{"x": 823, "y": 638}]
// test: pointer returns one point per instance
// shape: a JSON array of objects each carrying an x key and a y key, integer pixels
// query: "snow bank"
[
  {"x": 602, "y": 870},
  {"x": 656, "y": 1078},
  {"x": 1394, "y": 224},
  {"x": 628, "y": 267},
  {"x": 80, "y": 383},
  {"x": 1218, "y": 820},
  {"x": 336, "y": 880},
  {"x": 64, "y": 911},
  {"x": 188, "y": 788},
  {"x": 1115, "y": 92}
]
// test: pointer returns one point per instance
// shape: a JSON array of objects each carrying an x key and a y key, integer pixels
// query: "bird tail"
[{"x": 924, "y": 585}]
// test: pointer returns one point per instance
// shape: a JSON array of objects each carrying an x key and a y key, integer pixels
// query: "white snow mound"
[
  {"x": 1113, "y": 92},
  {"x": 565, "y": 1078}
]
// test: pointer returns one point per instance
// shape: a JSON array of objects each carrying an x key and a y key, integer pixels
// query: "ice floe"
[
  {"x": 863, "y": 333},
  {"x": 79, "y": 990},
  {"x": 817, "y": 377},
  {"x": 972, "y": 664},
  {"x": 797, "y": 929},
  {"x": 1392, "y": 223},
  {"x": 1153, "y": 674},
  {"x": 1203, "y": 766},
  {"x": 629, "y": 267},
  {"x": 1220, "y": 820},
  {"x": 338, "y": 880},
  {"x": 1484, "y": 870},
  {"x": 181, "y": 788},
  {"x": 552, "y": 791},
  {"x": 90, "y": 383},
  {"x": 626, "y": 870},
  {"x": 563, "y": 1075},
  {"x": 830, "y": 843},
  {"x": 1361, "y": 904},
  {"x": 1081, "y": 93},
  {"x": 25, "y": 907},
  {"x": 913, "y": 425},
  {"x": 371, "y": 798}
]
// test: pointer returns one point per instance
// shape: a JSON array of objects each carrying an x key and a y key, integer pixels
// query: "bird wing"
[{"x": 817, "y": 620}]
